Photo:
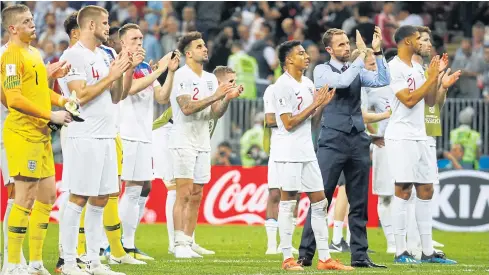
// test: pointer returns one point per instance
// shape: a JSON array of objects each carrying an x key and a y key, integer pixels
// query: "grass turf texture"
[{"x": 241, "y": 250}]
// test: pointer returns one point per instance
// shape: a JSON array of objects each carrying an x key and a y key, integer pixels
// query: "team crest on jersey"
[
  {"x": 145, "y": 71},
  {"x": 210, "y": 86},
  {"x": 11, "y": 71},
  {"x": 431, "y": 109},
  {"x": 31, "y": 165},
  {"x": 311, "y": 90},
  {"x": 281, "y": 101}
]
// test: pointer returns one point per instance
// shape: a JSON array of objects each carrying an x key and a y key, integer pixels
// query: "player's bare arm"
[
  {"x": 220, "y": 107},
  {"x": 124, "y": 59},
  {"x": 190, "y": 106},
  {"x": 162, "y": 93},
  {"x": 410, "y": 99},
  {"x": 375, "y": 117},
  {"x": 270, "y": 120},
  {"x": 86, "y": 93},
  {"x": 316, "y": 117},
  {"x": 290, "y": 121}
]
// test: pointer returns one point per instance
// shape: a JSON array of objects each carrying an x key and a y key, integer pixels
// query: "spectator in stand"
[
  {"x": 62, "y": 46},
  {"x": 387, "y": 23},
  {"x": 152, "y": 13},
  {"x": 119, "y": 11},
  {"x": 477, "y": 41},
  {"x": 225, "y": 155},
  {"x": 150, "y": 44},
  {"x": 133, "y": 15},
  {"x": 61, "y": 12},
  {"x": 335, "y": 14},
  {"x": 52, "y": 32},
  {"x": 485, "y": 74},
  {"x": 288, "y": 27},
  {"x": 251, "y": 143},
  {"x": 408, "y": 15},
  {"x": 262, "y": 50},
  {"x": 246, "y": 70},
  {"x": 244, "y": 37},
  {"x": 314, "y": 58},
  {"x": 222, "y": 45},
  {"x": 169, "y": 34},
  {"x": 467, "y": 137},
  {"x": 471, "y": 66},
  {"x": 188, "y": 20},
  {"x": 49, "y": 50},
  {"x": 456, "y": 156},
  {"x": 365, "y": 24}
]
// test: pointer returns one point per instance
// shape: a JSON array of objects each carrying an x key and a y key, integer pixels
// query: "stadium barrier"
[{"x": 235, "y": 195}]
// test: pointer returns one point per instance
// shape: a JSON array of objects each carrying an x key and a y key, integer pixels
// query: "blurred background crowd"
[{"x": 244, "y": 35}]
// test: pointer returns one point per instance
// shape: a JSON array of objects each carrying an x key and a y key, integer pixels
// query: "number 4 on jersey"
[{"x": 95, "y": 74}]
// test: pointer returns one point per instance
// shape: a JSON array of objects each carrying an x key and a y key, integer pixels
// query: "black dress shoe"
[
  {"x": 304, "y": 261},
  {"x": 367, "y": 263}
]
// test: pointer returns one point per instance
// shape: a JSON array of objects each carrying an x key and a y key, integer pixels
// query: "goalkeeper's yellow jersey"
[{"x": 23, "y": 71}]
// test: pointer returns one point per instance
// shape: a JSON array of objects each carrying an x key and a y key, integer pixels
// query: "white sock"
[
  {"x": 412, "y": 234},
  {"x": 104, "y": 242},
  {"x": 286, "y": 226},
  {"x": 348, "y": 234},
  {"x": 142, "y": 207},
  {"x": 424, "y": 221},
  {"x": 64, "y": 198},
  {"x": 181, "y": 239},
  {"x": 320, "y": 228},
  {"x": 171, "y": 196},
  {"x": 337, "y": 231},
  {"x": 10, "y": 203},
  {"x": 399, "y": 206},
  {"x": 70, "y": 224},
  {"x": 93, "y": 227},
  {"x": 129, "y": 214},
  {"x": 384, "y": 209},
  {"x": 271, "y": 226}
]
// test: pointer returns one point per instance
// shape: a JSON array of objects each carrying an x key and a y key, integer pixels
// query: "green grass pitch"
[{"x": 241, "y": 250}]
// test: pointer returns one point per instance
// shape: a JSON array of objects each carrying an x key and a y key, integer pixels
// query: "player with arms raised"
[
  {"x": 407, "y": 144},
  {"x": 296, "y": 109},
  {"x": 27, "y": 138},
  {"x": 196, "y": 98},
  {"x": 90, "y": 146}
]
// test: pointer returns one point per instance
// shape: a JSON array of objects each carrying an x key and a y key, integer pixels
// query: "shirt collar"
[{"x": 337, "y": 64}]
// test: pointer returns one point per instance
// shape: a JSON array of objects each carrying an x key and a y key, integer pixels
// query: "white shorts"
[
  {"x": 137, "y": 164},
  {"x": 4, "y": 166},
  {"x": 300, "y": 176},
  {"x": 90, "y": 166},
  {"x": 382, "y": 181},
  {"x": 162, "y": 164},
  {"x": 411, "y": 161},
  {"x": 272, "y": 175},
  {"x": 191, "y": 164},
  {"x": 432, "y": 145}
]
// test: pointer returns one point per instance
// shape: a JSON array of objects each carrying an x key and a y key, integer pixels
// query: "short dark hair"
[
  {"x": 113, "y": 30},
  {"x": 404, "y": 32},
  {"x": 237, "y": 44},
  {"x": 9, "y": 13},
  {"x": 225, "y": 144},
  {"x": 284, "y": 50},
  {"x": 390, "y": 53},
  {"x": 124, "y": 29},
  {"x": 71, "y": 23},
  {"x": 185, "y": 40}
]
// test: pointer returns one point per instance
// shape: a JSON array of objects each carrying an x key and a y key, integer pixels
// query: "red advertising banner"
[{"x": 235, "y": 195}]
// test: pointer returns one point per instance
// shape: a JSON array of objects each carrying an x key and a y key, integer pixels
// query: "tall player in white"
[
  {"x": 293, "y": 152},
  {"x": 90, "y": 146},
  {"x": 195, "y": 99},
  {"x": 410, "y": 160},
  {"x": 136, "y": 131}
]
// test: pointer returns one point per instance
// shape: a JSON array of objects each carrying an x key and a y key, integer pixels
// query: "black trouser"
[{"x": 339, "y": 151}]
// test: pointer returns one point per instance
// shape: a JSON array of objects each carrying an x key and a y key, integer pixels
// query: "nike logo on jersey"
[
  {"x": 92, "y": 63},
  {"x": 33, "y": 66},
  {"x": 297, "y": 93},
  {"x": 194, "y": 83}
]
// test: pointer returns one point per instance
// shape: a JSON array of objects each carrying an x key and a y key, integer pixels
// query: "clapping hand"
[
  {"x": 377, "y": 39},
  {"x": 448, "y": 79},
  {"x": 58, "y": 69},
  {"x": 324, "y": 96},
  {"x": 360, "y": 43},
  {"x": 443, "y": 62}
]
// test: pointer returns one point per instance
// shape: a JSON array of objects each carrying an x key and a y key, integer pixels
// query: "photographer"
[{"x": 225, "y": 156}]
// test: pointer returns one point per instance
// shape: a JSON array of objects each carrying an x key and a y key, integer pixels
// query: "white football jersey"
[
  {"x": 112, "y": 55},
  {"x": 137, "y": 110},
  {"x": 269, "y": 108},
  {"x": 91, "y": 66},
  {"x": 380, "y": 100},
  {"x": 191, "y": 131},
  {"x": 293, "y": 97},
  {"x": 406, "y": 123},
  {"x": 3, "y": 109}
]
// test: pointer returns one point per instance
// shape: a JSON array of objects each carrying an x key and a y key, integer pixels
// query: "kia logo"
[{"x": 461, "y": 201}]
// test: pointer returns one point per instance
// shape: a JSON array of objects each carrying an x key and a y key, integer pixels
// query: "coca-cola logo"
[{"x": 230, "y": 201}]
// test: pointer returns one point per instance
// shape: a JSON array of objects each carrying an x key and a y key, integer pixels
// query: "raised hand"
[
  {"x": 164, "y": 62},
  {"x": 223, "y": 90},
  {"x": 174, "y": 62},
  {"x": 433, "y": 67},
  {"x": 449, "y": 79},
  {"x": 323, "y": 96},
  {"x": 236, "y": 92},
  {"x": 138, "y": 57},
  {"x": 360, "y": 43},
  {"x": 58, "y": 69},
  {"x": 120, "y": 65},
  {"x": 443, "y": 62},
  {"x": 377, "y": 40}
]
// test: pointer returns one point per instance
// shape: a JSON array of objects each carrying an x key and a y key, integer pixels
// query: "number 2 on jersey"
[
  {"x": 95, "y": 74},
  {"x": 196, "y": 90},
  {"x": 300, "y": 103}
]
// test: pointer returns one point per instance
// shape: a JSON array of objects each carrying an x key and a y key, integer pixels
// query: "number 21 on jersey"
[{"x": 411, "y": 84}]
